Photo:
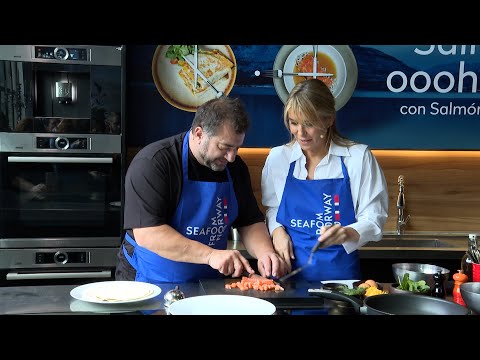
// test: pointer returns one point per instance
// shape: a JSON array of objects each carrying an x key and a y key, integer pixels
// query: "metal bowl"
[
  {"x": 471, "y": 295},
  {"x": 419, "y": 272},
  {"x": 395, "y": 290}
]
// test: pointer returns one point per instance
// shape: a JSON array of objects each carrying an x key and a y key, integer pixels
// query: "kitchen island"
[{"x": 56, "y": 300}]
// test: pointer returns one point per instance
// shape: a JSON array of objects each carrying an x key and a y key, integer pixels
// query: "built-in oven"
[{"x": 62, "y": 161}]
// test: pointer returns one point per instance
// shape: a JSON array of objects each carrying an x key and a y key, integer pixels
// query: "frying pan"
[{"x": 395, "y": 304}]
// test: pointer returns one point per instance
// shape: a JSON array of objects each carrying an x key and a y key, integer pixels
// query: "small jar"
[{"x": 459, "y": 279}]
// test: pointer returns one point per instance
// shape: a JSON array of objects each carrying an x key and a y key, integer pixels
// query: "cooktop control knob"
[
  {"x": 60, "y": 53},
  {"x": 60, "y": 257},
  {"x": 62, "y": 143}
]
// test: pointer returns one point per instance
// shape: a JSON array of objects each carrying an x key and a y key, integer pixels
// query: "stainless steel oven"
[{"x": 62, "y": 160}]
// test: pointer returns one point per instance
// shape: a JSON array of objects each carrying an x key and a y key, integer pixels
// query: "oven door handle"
[
  {"x": 65, "y": 160},
  {"x": 58, "y": 275}
]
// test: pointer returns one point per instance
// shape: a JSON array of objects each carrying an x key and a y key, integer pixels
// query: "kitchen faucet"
[{"x": 401, "y": 221}]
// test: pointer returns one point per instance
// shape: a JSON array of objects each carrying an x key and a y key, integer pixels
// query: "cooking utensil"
[
  {"x": 172, "y": 296},
  {"x": 472, "y": 256},
  {"x": 395, "y": 304},
  {"x": 293, "y": 273},
  {"x": 219, "y": 93},
  {"x": 317, "y": 246},
  {"x": 195, "y": 69},
  {"x": 471, "y": 295},
  {"x": 279, "y": 73},
  {"x": 222, "y": 305},
  {"x": 474, "y": 248},
  {"x": 314, "y": 61},
  {"x": 417, "y": 272},
  {"x": 394, "y": 289},
  {"x": 296, "y": 271}
]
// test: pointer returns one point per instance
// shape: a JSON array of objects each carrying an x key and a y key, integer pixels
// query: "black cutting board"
[{"x": 295, "y": 294}]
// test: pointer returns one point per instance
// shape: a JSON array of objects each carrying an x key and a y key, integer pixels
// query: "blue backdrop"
[{"x": 406, "y": 97}]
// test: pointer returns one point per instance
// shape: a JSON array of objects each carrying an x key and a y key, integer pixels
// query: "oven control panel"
[
  {"x": 61, "y": 257},
  {"x": 62, "y": 143}
]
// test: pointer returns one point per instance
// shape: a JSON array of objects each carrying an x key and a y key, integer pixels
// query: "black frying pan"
[{"x": 396, "y": 304}]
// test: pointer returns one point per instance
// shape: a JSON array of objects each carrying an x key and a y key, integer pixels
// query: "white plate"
[
  {"x": 327, "y": 51},
  {"x": 348, "y": 63},
  {"x": 171, "y": 86},
  {"x": 86, "y": 292},
  {"x": 349, "y": 283},
  {"x": 222, "y": 305}
]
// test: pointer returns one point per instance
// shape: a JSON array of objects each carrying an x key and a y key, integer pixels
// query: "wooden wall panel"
[{"x": 442, "y": 188}]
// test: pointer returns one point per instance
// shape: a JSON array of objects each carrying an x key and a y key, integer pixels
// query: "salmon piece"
[{"x": 255, "y": 282}]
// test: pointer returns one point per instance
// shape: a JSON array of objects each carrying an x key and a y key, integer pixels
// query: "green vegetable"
[
  {"x": 353, "y": 292},
  {"x": 410, "y": 285},
  {"x": 177, "y": 52}
]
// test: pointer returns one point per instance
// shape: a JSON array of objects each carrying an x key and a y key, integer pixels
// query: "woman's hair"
[
  {"x": 212, "y": 115},
  {"x": 314, "y": 101}
]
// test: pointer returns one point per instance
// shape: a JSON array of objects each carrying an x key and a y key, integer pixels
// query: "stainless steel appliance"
[{"x": 62, "y": 160}]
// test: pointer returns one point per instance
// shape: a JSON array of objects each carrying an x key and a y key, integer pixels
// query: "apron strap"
[{"x": 125, "y": 252}]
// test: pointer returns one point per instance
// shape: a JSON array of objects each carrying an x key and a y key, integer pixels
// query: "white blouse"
[{"x": 367, "y": 181}]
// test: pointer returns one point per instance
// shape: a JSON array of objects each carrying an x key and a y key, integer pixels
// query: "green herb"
[
  {"x": 354, "y": 292},
  {"x": 410, "y": 285},
  {"x": 177, "y": 52}
]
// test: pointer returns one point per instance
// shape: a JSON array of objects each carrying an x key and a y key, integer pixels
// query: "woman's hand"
[
  {"x": 282, "y": 244},
  {"x": 337, "y": 235},
  {"x": 272, "y": 264}
]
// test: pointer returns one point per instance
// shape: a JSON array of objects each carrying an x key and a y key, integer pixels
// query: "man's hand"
[
  {"x": 229, "y": 262},
  {"x": 272, "y": 264}
]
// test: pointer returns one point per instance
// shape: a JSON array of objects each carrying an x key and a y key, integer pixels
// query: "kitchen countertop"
[{"x": 56, "y": 300}]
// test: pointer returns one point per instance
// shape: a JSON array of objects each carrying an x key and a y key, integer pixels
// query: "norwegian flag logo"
[
  {"x": 336, "y": 200},
  {"x": 225, "y": 210}
]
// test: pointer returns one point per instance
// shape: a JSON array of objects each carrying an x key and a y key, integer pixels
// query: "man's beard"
[{"x": 210, "y": 163}]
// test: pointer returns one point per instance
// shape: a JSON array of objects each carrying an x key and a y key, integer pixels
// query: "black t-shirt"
[{"x": 153, "y": 186}]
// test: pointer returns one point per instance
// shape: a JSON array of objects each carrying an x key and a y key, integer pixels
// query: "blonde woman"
[{"x": 321, "y": 187}]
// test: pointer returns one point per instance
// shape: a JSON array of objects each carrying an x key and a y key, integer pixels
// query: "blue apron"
[
  {"x": 205, "y": 213},
  {"x": 306, "y": 206}
]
